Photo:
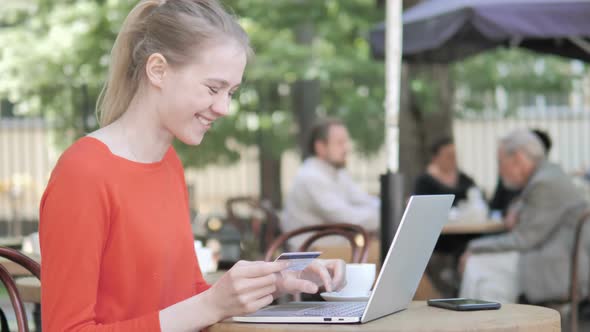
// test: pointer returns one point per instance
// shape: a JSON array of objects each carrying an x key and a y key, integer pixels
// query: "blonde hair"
[{"x": 174, "y": 28}]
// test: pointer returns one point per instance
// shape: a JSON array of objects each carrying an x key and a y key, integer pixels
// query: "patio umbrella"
[{"x": 441, "y": 31}]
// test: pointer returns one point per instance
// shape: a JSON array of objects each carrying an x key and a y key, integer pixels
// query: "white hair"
[{"x": 525, "y": 141}]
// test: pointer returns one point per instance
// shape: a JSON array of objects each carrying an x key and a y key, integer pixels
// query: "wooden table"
[
  {"x": 422, "y": 318},
  {"x": 14, "y": 242},
  {"x": 473, "y": 228},
  {"x": 343, "y": 250},
  {"x": 29, "y": 289}
]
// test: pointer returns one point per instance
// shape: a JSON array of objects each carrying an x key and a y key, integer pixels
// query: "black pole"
[{"x": 392, "y": 204}]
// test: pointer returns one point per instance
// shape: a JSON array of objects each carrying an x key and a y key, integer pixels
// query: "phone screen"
[{"x": 464, "y": 301}]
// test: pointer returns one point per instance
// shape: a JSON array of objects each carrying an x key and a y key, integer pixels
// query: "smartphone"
[{"x": 462, "y": 304}]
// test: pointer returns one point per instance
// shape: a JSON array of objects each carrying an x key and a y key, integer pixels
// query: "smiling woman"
[{"x": 115, "y": 233}]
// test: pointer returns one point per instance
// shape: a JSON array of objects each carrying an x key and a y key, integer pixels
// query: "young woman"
[{"x": 116, "y": 241}]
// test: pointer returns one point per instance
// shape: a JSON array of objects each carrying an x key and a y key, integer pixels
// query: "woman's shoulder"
[
  {"x": 466, "y": 179},
  {"x": 86, "y": 157}
]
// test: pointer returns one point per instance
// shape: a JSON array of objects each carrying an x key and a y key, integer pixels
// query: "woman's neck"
[
  {"x": 447, "y": 177},
  {"x": 138, "y": 134}
]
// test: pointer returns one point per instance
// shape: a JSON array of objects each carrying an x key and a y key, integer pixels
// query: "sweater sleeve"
[
  {"x": 540, "y": 216},
  {"x": 74, "y": 223}
]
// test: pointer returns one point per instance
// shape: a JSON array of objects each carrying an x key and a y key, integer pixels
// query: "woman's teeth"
[{"x": 204, "y": 121}]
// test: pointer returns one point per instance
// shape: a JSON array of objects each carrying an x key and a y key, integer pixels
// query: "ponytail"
[{"x": 170, "y": 27}]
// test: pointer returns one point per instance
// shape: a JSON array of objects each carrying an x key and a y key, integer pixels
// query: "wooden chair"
[
  {"x": 349, "y": 231},
  {"x": 574, "y": 293},
  {"x": 572, "y": 302},
  {"x": 255, "y": 218},
  {"x": 10, "y": 285}
]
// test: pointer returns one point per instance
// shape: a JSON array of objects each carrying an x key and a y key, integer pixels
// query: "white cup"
[
  {"x": 205, "y": 257},
  {"x": 359, "y": 279}
]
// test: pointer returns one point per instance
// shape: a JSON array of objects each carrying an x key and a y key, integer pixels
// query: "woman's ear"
[{"x": 155, "y": 69}]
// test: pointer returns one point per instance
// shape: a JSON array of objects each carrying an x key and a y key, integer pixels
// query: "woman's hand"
[
  {"x": 245, "y": 288},
  {"x": 330, "y": 273}
]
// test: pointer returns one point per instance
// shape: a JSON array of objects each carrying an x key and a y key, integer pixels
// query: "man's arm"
[
  {"x": 541, "y": 213},
  {"x": 334, "y": 206},
  {"x": 356, "y": 195}
]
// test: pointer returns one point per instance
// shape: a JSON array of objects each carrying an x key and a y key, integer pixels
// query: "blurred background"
[{"x": 313, "y": 59}]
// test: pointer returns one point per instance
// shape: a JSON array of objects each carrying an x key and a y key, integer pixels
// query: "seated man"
[
  {"x": 322, "y": 191},
  {"x": 503, "y": 196},
  {"x": 533, "y": 258}
]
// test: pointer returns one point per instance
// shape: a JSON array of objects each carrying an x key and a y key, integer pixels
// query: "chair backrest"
[
  {"x": 351, "y": 232},
  {"x": 577, "y": 248},
  {"x": 249, "y": 214},
  {"x": 8, "y": 281}
]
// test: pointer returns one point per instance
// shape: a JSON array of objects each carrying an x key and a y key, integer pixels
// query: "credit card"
[{"x": 298, "y": 261}]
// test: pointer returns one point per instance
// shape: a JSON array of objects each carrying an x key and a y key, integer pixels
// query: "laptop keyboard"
[{"x": 334, "y": 310}]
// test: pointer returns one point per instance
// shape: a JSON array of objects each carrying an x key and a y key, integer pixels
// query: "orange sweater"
[{"x": 116, "y": 241}]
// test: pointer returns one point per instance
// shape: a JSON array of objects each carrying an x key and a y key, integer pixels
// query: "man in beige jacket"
[{"x": 323, "y": 191}]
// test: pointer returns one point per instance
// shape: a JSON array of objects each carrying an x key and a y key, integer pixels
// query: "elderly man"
[
  {"x": 322, "y": 191},
  {"x": 533, "y": 257}
]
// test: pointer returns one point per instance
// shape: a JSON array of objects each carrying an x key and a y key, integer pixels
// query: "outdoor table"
[
  {"x": 473, "y": 228},
  {"x": 420, "y": 317},
  {"x": 14, "y": 242},
  {"x": 29, "y": 289}
]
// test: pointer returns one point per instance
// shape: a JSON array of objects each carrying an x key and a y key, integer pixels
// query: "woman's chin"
[{"x": 193, "y": 140}]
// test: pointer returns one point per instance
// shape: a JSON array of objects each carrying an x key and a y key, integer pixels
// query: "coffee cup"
[
  {"x": 359, "y": 279},
  {"x": 205, "y": 258}
]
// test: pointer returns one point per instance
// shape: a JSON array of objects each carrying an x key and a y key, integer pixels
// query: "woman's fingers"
[
  {"x": 338, "y": 271},
  {"x": 321, "y": 272},
  {"x": 293, "y": 284},
  {"x": 248, "y": 284},
  {"x": 246, "y": 287},
  {"x": 259, "y": 303},
  {"x": 256, "y": 294},
  {"x": 258, "y": 269}
]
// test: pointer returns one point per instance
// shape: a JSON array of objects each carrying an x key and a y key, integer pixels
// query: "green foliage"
[
  {"x": 57, "y": 57},
  {"x": 351, "y": 82},
  {"x": 517, "y": 71}
]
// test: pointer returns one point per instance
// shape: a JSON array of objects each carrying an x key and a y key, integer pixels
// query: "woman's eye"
[
  {"x": 213, "y": 90},
  {"x": 233, "y": 92}
]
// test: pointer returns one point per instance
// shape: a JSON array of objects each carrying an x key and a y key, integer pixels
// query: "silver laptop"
[{"x": 397, "y": 282}]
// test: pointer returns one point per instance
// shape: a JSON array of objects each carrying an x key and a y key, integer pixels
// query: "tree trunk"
[
  {"x": 270, "y": 163},
  {"x": 420, "y": 128},
  {"x": 306, "y": 94},
  {"x": 270, "y": 180},
  {"x": 306, "y": 97}
]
